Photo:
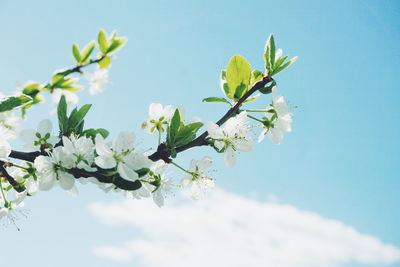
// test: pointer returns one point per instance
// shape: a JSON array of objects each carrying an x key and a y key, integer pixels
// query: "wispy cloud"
[{"x": 226, "y": 229}]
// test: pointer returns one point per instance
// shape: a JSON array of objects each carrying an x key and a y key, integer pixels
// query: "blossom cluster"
[{"x": 74, "y": 154}]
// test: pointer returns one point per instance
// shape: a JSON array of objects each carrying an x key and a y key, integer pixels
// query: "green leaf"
[
  {"x": 103, "y": 132},
  {"x": 87, "y": 51},
  {"x": 216, "y": 99},
  {"x": 279, "y": 62},
  {"x": 104, "y": 63},
  {"x": 272, "y": 51},
  {"x": 256, "y": 76},
  {"x": 102, "y": 41},
  {"x": 75, "y": 121},
  {"x": 267, "y": 89},
  {"x": 173, "y": 127},
  {"x": 115, "y": 45},
  {"x": 56, "y": 79},
  {"x": 284, "y": 66},
  {"x": 62, "y": 114},
  {"x": 13, "y": 102},
  {"x": 76, "y": 53},
  {"x": 91, "y": 133},
  {"x": 269, "y": 53},
  {"x": 32, "y": 89},
  {"x": 187, "y": 133},
  {"x": 238, "y": 74}
]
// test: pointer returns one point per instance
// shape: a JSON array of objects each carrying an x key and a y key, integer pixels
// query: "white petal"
[
  {"x": 244, "y": 145},
  {"x": 262, "y": 135},
  {"x": 158, "y": 198},
  {"x": 214, "y": 131},
  {"x": 155, "y": 111},
  {"x": 124, "y": 141},
  {"x": 105, "y": 162},
  {"x": 32, "y": 186},
  {"x": 219, "y": 144},
  {"x": 127, "y": 173},
  {"x": 276, "y": 135},
  {"x": 67, "y": 180},
  {"x": 168, "y": 112},
  {"x": 205, "y": 162},
  {"x": 102, "y": 148},
  {"x": 5, "y": 149},
  {"x": 230, "y": 157},
  {"x": 44, "y": 127},
  {"x": 46, "y": 182}
]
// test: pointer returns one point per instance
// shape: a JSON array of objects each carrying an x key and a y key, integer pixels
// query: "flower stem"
[
  {"x": 254, "y": 118},
  {"x": 255, "y": 110},
  {"x": 181, "y": 168}
]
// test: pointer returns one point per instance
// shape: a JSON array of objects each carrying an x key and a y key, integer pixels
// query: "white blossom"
[
  {"x": 120, "y": 155},
  {"x": 98, "y": 81},
  {"x": 34, "y": 139},
  {"x": 283, "y": 120},
  {"x": 52, "y": 168},
  {"x": 31, "y": 185},
  {"x": 81, "y": 149},
  {"x": 165, "y": 183},
  {"x": 198, "y": 177},
  {"x": 235, "y": 135},
  {"x": 159, "y": 117},
  {"x": 5, "y": 149},
  {"x": 8, "y": 124}
]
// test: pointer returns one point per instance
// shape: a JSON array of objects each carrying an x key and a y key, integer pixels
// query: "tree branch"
[{"x": 10, "y": 179}]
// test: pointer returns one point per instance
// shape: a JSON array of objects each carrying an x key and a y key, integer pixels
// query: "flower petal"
[
  {"x": 102, "y": 148},
  {"x": 44, "y": 127},
  {"x": 67, "y": 180},
  {"x": 155, "y": 111},
  {"x": 230, "y": 157},
  {"x": 105, "y": 162},
  {"x": 127, "y": 173}
]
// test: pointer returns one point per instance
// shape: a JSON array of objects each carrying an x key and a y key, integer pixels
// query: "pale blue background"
[{"x": 341, "y": 160}]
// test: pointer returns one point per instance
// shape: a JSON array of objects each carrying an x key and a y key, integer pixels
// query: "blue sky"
[{"x": 340, "y": 161}]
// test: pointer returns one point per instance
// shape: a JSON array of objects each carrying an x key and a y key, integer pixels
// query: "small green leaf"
[
  {"x": 173, "y": 128},
  {"x": 76, "y": 119},
  {"x": 256, "y": 76},
  {"x": 269, "y": 53},
  {"x": 268, "y": 89},
  {"x": 115, "y": 45},
  {"x": 62, "y": 114},
  {"x": 279, "y": 62},
  {"x": 32, "y": 89},
  {"x": 216, "y": 99},
  {"x": 87, "y": 51},
  {"x": 14, "y": 102},
  {"x": 56, "y": 79},
  {"x": 76, "y": 53},
  {"x": 187, "y": 133},
  {"x": 103, "y": 132},
  {"x": 238, "y": 74},
  {"x": 272, "y": 51},
  {"x": 102, "y": 41},
  {"x": 173, "y": 153},
  {"x": 104, "y": 63},
  {"x": 284, "y": 66}
]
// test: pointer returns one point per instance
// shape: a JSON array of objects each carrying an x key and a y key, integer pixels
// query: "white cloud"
[{"x": 226, "y": 229}]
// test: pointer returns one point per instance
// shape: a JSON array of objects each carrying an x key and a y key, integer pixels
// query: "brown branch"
[{"x": 3, "y": 172}]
